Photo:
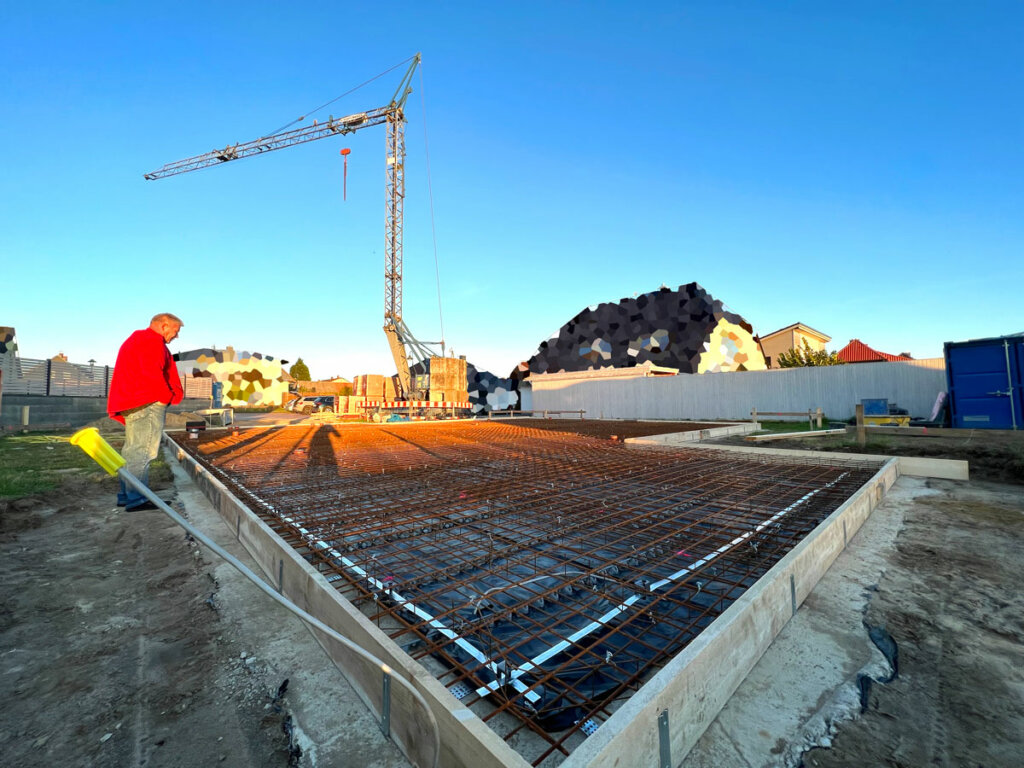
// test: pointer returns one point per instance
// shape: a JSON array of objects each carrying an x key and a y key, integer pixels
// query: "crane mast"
[
  {"x": 393, "y": 219},
  {"x": 392, "y": 114}
]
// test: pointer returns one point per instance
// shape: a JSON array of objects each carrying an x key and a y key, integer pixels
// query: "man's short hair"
[{"x": 162, "y": 316}]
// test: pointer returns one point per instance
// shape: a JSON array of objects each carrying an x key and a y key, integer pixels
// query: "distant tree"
[
  {"x": 299, "y": 371},
  {"x": 802, "y": 358}
]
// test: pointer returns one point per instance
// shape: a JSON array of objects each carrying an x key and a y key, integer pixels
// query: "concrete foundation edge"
[
  {"x": 696, "y": 435},
  {"x": 913, "y": 466},
  {"x": 465, "y": 740},
  {"x": 694, "y": 686}
]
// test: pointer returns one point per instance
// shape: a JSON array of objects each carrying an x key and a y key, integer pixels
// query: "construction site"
[
  {"x": 574, "y": 592},
  {"x": 543, "y": 574},
  {"x": 557, "y": 579},
  {"x": 597, "y": 558}
]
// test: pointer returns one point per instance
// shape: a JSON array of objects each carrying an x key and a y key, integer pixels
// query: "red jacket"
[{"x": 144, "y": 373}]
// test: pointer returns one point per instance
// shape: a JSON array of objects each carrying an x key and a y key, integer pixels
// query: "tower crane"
[{"x": 399, "y": 336}]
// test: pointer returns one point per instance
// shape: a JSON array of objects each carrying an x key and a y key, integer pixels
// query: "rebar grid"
[{"x": 551, "y": 573}]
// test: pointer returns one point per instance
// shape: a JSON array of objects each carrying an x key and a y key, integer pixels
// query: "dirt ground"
[
  {"x": 950, "y": 602},
  {"x": 994, "y": 455},
  {"x": 123, "y": 644}
]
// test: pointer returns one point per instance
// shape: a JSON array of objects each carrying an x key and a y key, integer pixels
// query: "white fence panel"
[
  {"x": 24, "y": 376},
  {"x": 56, "y": 378},
  {"x": 834, "y": 389},
  {"x": 74, "y": 380},
  {"x": 28, "y": 376}
]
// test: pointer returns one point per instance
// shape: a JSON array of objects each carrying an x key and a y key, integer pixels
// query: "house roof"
[
  {"x": 805, "y": 328},
  {"x": 859, "y": 352}
]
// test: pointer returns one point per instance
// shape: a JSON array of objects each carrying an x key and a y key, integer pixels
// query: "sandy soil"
[
  {"x": 949, "y": 600},
  {"x": 994, "y": 455},
  {"x": 122, "y": 644}
]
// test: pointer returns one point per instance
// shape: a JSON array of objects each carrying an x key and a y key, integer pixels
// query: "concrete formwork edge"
[
  {"x": 695, "y": 435},
  {"x": 913, "y": 466},
  {"x": 694, "y": 686},
  {"x": 465, "y": 740}
]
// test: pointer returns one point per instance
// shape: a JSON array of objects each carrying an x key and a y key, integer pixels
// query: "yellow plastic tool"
[{"x": 98, "y": 449}]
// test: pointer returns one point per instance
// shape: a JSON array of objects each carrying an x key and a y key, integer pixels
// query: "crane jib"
[
  {"x": 398, "y": 334},
  {"x": 333, "y": 127}
]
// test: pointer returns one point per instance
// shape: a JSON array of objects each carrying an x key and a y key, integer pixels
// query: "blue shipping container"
[{"x": 985, "y": 378}]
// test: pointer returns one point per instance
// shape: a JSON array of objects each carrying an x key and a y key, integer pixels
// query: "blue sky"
[{"x": 858, "y": 167}]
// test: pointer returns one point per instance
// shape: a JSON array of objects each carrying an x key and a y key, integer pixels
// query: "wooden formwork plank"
[{"x": 794, "y": 435}]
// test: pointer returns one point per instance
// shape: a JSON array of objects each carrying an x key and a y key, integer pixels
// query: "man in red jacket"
[{"x": 145, "y": 382}]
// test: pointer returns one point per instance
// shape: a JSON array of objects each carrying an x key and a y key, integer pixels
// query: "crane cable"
[
  {"x": 426, "y": 147},
  {"x": 430, "y": 195},
  {"x": 337, "y": 98}
]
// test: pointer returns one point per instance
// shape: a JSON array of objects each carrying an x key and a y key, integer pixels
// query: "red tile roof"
[{"x": 859, "y": 352}]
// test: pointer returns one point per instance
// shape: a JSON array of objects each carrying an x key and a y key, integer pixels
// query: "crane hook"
[{"x": 344, "y": 184}]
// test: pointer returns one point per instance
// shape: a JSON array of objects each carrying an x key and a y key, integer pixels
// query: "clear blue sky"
[{"x": 858, "y": 167}]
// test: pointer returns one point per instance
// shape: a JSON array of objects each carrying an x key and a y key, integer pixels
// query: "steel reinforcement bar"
[{"x": 550, "y": 573}]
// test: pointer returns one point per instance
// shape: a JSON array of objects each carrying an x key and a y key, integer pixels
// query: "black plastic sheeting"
[{"x": 513, "y": 623}]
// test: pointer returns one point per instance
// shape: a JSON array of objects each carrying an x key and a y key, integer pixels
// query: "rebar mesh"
[{"x": 551, "y": 573}]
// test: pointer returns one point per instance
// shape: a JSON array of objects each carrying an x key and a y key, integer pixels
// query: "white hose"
[{"x": 311, "y": 620}]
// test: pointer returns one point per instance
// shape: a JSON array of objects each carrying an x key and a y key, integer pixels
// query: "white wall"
[{"x": 835, "y": 389}]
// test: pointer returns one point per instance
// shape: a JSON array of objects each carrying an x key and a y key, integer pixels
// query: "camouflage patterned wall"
[
  {"x": 8, "y": 351},
  {"x": 248, "y": 378},
  {"x": 488, "y": 392},
  {"x": 686, "y": 329},
  {"x": 7, "y": 342}
]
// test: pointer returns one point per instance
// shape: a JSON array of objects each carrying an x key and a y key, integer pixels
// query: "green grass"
[
  {"x": 160, "y": 475},
  {"x": 874, "y": 444},
  {"x": 36, "y": 463},
  {"x": 787, "y": 426}
]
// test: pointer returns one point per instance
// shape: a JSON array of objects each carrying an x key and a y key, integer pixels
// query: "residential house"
[
  {"x": 859, "y": 352},
  {"x": 791, "y": 337}
]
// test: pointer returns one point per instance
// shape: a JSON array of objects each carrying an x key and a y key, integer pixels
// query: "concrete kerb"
[
  {"x": 914, "y": 466},
  {"x": 465, "y": 739},
  {"x": 694, "y": 686},
  {"x": 696, "y": 435}
]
